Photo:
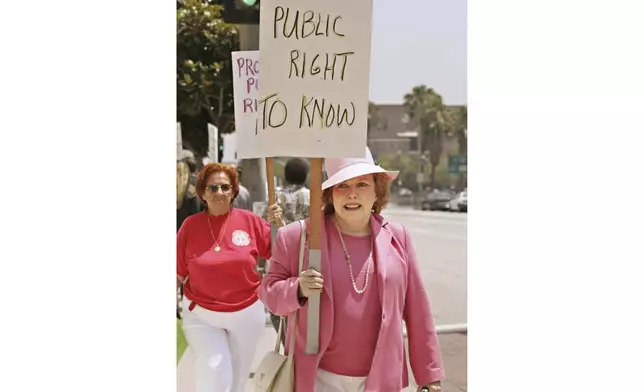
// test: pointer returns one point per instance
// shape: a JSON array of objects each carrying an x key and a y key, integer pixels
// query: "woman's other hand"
[
  {"x": 432, "y": 387},
  {"x": 274, "y": 215}
]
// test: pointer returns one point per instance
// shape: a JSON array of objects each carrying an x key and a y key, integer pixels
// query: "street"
[{"x": 440, "y": 240}]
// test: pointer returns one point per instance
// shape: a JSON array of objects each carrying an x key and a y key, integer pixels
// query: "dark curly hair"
[
  {"x": 295, "y": 171},
  {"x": 212, "y": 168},
  {"x": 381, "y": 182}
]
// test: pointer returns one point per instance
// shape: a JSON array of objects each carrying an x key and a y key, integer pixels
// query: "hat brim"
[{"x": 357, "y": 170}]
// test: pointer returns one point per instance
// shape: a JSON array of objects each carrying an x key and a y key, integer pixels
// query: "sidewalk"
[
  {"x": 454, "y": 353},
  {"x": 453, "y": 349}
]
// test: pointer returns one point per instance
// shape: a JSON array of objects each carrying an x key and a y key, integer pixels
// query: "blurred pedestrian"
[
  {"x": 243, "y": 199},
  {"x": 187, "y": 201}
]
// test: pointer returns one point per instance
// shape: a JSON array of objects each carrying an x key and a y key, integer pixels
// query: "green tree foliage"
[
  {"x": 458, "y": 127},
  {"x": 204, "y": 71},
  {"x": 439, "y": 125},
  {"x": 406, "y": 164},
  {"x": 409, "y": 167},
  {"x": 426, "y": 106},
  {"x": 373, "y": 119}
]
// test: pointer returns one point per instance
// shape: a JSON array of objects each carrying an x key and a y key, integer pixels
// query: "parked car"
[
  {"x": 437, "y": 200},
  {"x": 405, "y": 197},
  {"x": 453, "y": 204},
  {"x": 459, "y": 203}
]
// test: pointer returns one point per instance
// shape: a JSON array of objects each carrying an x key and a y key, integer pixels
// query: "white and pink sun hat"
[{"x": 341, "y": 169}]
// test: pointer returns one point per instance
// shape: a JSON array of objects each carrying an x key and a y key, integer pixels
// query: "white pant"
[
  {"x": 331, "y": 382},
  {"x": 224, "y": 344}
]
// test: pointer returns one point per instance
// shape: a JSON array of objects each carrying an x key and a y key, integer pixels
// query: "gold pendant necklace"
[{"x": 221, "y": 235}]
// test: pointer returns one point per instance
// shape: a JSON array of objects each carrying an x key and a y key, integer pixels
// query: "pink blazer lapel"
[{"x": 382, "y": 246}]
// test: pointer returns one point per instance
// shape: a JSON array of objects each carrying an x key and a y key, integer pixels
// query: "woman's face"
[
  {"x": 218, "y": 192},
  {"x": 354, "y": 198}
]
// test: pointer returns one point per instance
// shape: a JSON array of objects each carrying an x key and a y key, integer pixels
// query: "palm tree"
[
  {"x": 373, "y": 119},
  {"x": 426, "y": 106},
  {"x": 458, "y": 125}
]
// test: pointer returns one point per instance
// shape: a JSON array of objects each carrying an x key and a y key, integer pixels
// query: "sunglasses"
[{"x": 225, "y": 188}]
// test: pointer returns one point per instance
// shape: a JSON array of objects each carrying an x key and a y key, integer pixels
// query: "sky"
[{"x": 432, "y": 33}]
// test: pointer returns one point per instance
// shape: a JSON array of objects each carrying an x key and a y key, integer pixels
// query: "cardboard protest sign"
[
  {"x": 246, "y": 97},
  {"x": 314, "y": 92}
]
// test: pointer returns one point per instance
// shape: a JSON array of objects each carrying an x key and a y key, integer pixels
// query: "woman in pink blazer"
[{"x": 369, "y": 284}]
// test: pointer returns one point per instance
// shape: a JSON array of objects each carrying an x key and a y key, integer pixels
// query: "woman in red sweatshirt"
[{"x": 217, "y": 251}]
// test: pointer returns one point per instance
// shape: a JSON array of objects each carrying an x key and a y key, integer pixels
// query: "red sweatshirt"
[{"x": 224, "y": 281}]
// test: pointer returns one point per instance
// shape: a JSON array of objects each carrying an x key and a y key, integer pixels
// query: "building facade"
[{"x": 391, "y": 131}]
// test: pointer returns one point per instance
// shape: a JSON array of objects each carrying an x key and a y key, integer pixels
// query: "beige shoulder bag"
[{"x": 275, "y": 372}]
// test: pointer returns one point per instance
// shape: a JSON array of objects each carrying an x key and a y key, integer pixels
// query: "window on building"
[{"x": 413, "y": 143}]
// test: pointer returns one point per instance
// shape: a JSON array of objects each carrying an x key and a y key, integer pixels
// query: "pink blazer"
[{"x": 402, "y": 295}]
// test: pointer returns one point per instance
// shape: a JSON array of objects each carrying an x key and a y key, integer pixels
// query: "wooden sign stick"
[
  {"x": 270, "y": 181},
  {"x": 315, "y": 254},
  {"x": 262, "y": 263}
]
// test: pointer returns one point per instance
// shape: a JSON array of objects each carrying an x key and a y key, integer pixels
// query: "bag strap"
[{"x": 291, "y": 343}]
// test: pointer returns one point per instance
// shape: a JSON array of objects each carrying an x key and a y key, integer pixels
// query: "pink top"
[{"x": 351, "y": 349}]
